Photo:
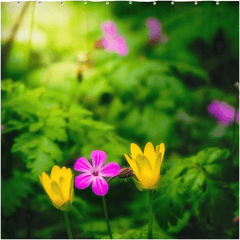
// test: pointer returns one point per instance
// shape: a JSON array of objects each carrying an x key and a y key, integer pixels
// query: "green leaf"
[
  {"x": 42, "y": 163},
  {"x": 218, "y": 206},
  {"x": 48, "y": 146},
  {"x": 169, "y": 202},
  {"x": 25, "y": 143},
  {"x": 181, "y": 223},
  {"x": 35, "y": 126},
  {"x": 55, "y": 133},
  {"x": 143, "y": 234},
  {"x": 212, "y": 155},
  {"x": 15, "y": 189}
]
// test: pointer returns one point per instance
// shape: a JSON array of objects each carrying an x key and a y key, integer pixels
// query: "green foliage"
[
  {"x": 58, "y": 105},
  {"x": 15, "y": 190},
  {"x": 195, "y": 183}
]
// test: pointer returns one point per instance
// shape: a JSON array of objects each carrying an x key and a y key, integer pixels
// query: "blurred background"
[{"x": 65, "y": 93}]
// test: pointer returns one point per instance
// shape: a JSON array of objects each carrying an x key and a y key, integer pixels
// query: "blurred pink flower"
[
  {"x": 112, "y": 41},
  {"x": 223, "y": 113},
  {"x": 154, "y": 31},
  {"x": 94, "y": 173}
]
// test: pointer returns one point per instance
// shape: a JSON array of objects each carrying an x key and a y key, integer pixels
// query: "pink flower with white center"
[
  {"x": 94, "y": 173},
  {"x": 112, "y": 41},
  {"x": 223, "y": 113}
]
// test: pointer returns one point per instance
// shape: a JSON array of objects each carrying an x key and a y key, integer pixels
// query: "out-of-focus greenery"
[{"x": 62, "y": 98}]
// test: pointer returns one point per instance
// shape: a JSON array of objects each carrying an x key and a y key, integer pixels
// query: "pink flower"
[
  {"x": 94, "y": 173},
  {"x": 112, "y": 41},
  {"x": 154, "y": 31},
  {"x": 223, "y": 113}
]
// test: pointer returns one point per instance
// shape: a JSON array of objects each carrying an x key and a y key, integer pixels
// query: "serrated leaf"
[
  {"x": 219, "y": 203},
  {"x": 48, "y": 146},
  {"x": 199, "y": 180},
  {"x": 169, "y": 202},
  {"x": 43, "y": 162},
  {"x": 18, "y": 187},
  {"x": 211, "y": 155},
  {"x": 24, "y": 143},
  {"x": 214, "y": 170},
  {"x": 55, "y": 133},
  {"x": 35, "y": 126}
]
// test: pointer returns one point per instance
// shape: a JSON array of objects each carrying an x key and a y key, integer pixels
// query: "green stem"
[
  {"x": 69, "y": 231},
  {"x": 31, "y": 33},
  {"x": 150, "y": 214},
  {"x": 106, "y": 216}
]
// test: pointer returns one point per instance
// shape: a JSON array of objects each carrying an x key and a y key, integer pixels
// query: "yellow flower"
[
  {"x": 59, "y": 187},
  {"x": 146, "y": 166}
]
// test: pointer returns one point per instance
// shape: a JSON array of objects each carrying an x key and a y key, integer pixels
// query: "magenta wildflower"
[
  {"x": 154, "y": 31},
  {"x": 94, "y": 173},
  {"x": 112, "y": 41},
  {"x": 223, "y": 113}
]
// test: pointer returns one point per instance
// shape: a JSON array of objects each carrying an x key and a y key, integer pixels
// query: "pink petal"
[
  {"x": 108, "y": 43},
  {"x": 110, "y": 170},
  {"x": 83, "y": 165},
  {"x": 99, "y": 186},
  {"x": 222, "y": 112},
  {"x": 154, "y": 28},
  {"x": 83, "y": 180},
  {"x": 98, "y": 159},
  {"x": 109, "y": 28},
  {"x": 237, "y": 117},
  {"x": 120, "y": 45}
]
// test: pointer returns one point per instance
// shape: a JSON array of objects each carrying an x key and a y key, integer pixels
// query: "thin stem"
[
  {"x": 106, "y": 216},
  {"x": 31, "y": 31},
  {"x": 8, "y": 46},
  {"x": 69, "y": 231},
  {"x": 150, "y": 214}
]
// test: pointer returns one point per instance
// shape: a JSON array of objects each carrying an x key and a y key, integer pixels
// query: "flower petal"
[
  {"x": 132, "y": 164},
  {"x": 100, "y": 186},
  {"x": 110, "y": 170},
  {"x": 222, "y": 112},
  {"x": 120, "y": 45},
  {"x": 237, "y": 117},
  {"x": 135, "y": 150},
  {"x": 158, "y": 164},
  {"x": 109, "y": 28},
  {"x": 154, "y": 28},
  {"x": 146, "y": 173},
  {"x": 71, "y": 192},
  {"x": 45, "y": 180},
  {"x": 98, "y": 159},
  {"x": 83, "y": 180},
  {"x": 108, "y": 43},
  {"x": 55, "y": 174},
  {"x": 83, "y": 165},
  {"x": 56, "y": 195},
  {"x": 150, "y": 154}
]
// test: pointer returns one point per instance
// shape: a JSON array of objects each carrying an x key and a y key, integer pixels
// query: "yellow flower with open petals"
[
  {"x": 146, "y": 166},
  {"x": 59, "y": 187}
]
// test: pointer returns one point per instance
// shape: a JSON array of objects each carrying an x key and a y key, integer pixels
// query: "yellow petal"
[
  {"x": 150, "y": 153},
  {"x": 158, "y": 165},
  {"x": 135, "y": 150},
  {"x": 65, "y": 181},
  {"x": 45, "y": 180},
  {"x": 157, "y": 149},
  {"x": 162, "y": 150},
  {"x": 55, "y": 173},
  {"x": 132, "y": 164},
  {"x": 138, "y": 184},
  {"x": 71, "y": 194},
  {"x": 56, "y": 195},
  {"x": 145, "y": 169}
]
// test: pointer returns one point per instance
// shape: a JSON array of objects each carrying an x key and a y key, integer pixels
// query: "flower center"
[{"x": 95, "y": 174}]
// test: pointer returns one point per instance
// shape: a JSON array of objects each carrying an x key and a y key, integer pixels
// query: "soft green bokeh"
[{"x": 62, "y": 98}]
